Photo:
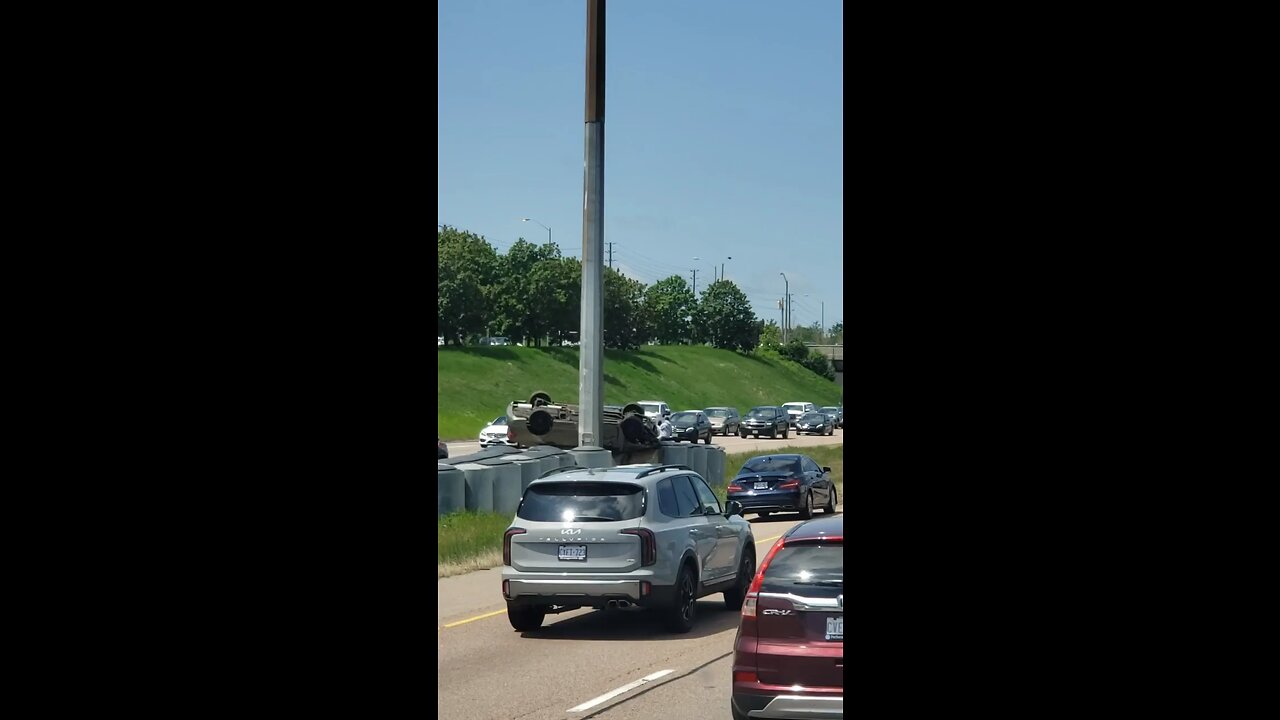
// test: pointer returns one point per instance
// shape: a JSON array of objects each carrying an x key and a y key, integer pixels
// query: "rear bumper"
[
  {"x": 792, "y": 706},
  {"x": 585, "y": 592},
  {"x": 781, "y": 501}
]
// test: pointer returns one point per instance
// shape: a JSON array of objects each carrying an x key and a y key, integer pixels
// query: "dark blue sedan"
[{"x": 772, "y": 483}]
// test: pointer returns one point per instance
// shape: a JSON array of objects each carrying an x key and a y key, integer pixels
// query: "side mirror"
[
  {"x": 826, "y": 469},
  {"x": 735, "y": 508}
]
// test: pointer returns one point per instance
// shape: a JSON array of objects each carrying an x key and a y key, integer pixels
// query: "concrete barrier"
[
  {"x": 598, "y": 458},
  {"x": 698, "y": 459},
  {"x": 481, "y": 454},
  {"x": 530, "y": 469},
  {"x": 506, "y": 484},
  {"x": 450, "y": 490},
  {"x": 674, "y": 453},
  {"x": 479, "y": 486},
  {"x": 715, "y": 467}
]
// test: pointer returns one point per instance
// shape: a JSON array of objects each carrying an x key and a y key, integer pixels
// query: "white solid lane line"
[{"x": 615, "y": 693}]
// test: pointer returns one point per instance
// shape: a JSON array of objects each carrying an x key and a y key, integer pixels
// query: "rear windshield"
[
  {"x": 649, "y": 408},
  {"x": 764, "y": 413},
  {"x": 582, "y": 502},
  {"x": 801, "y": 568},
  {"x": 830, "y": 410},
  {"x": 718, "y": 413},
  {"x": 799, "y": 407},
  {"x": 771, "y": 464}
]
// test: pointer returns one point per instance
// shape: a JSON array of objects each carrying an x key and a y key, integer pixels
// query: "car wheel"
[
  {"x": 525, "y": 617},
  {"x": 831, "y": 430},
  {"x": 742, "y": 435},
  {"x": 764, "y": 514},
  {"x": 680, "y": 615},
  {"x": 773, "y": 433},
  {"x": 831, "y": 502},
  {"x": 708, "y": 440},
  {"x": 746, "y": 573},
  {"x": 786, "y": 432},
  {"x": 806, "y": 511}
]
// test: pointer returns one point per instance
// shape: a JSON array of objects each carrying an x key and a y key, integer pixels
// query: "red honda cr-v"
[{"x": 788, "y": 657}]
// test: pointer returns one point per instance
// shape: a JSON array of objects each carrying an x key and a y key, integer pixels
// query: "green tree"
[
  {"x": 626, "y": 324},
  {"x": 669, "y": 304},
  {"x": 467, "y": 272},
  {"x": 515, "y": 314},
  {"x": 820, "y": 364},
  {"x": 837, "y": 333},
  {"x": 770, "y": 334},
  {"x": 723, "y": 317},
  {"x": 555, "y": 295}
]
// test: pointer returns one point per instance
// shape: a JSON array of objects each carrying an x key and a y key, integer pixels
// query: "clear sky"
[{"x": 724, "y": 137}]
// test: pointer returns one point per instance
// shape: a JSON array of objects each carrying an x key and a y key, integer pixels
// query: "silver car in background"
[{"x": 648, "y": 536}]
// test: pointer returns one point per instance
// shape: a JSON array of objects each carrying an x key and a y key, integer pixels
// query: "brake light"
[
  {"x": 648, "y": 544},
  {"x": 789, "y": 485},
  {"x": 753, "y": 592},
  {"x": 506, "y": 544},
  {"x": 734, "y": 488},
  {"x": 745, "y": 676}
]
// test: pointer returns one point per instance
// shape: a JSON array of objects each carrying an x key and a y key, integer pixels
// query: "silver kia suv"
[{"x": 651, "y": 536}]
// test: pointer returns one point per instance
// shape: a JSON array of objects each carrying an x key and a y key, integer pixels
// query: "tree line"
[{"x": 532, "y": 294}]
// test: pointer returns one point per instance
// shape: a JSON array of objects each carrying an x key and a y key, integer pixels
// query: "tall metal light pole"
[
  {"x": 786, "y": 312},
  {"x": 538, "y": 223},
  {"x": 589, "y": 452},
  {"x": 722, "y": 267}
]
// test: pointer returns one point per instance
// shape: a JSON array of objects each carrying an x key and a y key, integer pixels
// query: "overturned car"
[{"x": 624, "y": 430}]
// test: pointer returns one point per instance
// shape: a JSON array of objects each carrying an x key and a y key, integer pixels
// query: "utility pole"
[
  {"x": 695, "y": 282},
  {"x": 822, "y": 326},
  {"x": 790, "y": 319},
  {"x": 610, "y": 254},
  {"x": 782, "y": 319},
  {"x": 590, "y": 452}
]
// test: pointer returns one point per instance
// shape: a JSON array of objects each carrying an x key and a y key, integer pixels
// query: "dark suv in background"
[
  {"x": 768, "y": 420},
  {"x": 788, "y": 657}
]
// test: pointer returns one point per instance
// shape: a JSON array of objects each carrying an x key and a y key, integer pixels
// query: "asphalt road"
[
  {"x": 574, "y": 666},
  {"x": 731, "y": 444}
]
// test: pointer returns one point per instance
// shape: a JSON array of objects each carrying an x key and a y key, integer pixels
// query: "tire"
[
  {"x": 742, "y": 435},
  {"x": 806, "y": 512},
  {"x": 746, "y": 573},
  {"x": 708, "y": 440},
  {"x": 832, "y": 501},
  {"x": 525, "y": 617},
  {"x": 773, "y": 433},
  {"x": 832, "y": 431},
  {"x": 680, "y": 616},
  {"x": 764, "y": 514},
  {"x": 786, "y": 432}
]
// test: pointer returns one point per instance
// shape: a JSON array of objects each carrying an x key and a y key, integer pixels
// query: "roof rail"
[
  {"x": 661, "y": 468},
  {"x": 553, "y": 471}
]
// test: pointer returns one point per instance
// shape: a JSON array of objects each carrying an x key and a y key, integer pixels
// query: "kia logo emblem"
[{"x": 571, "y": 531}]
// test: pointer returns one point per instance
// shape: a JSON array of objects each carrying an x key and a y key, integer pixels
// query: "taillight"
[
  {"x": 648, "y": 544},
  {"x": 789, "y": 485},
  {"x": 511, "y": 436},
  {"x": 749, "y": 604},
  {"x": 745, "y": 676},
  {"x": 734, "y": 488},
  {"x": 506, "y": 544}
]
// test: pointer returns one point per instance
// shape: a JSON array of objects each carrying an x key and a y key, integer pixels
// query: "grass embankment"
[
  {"x": 473, "y": 541},
  {"x": 475, "y": 384}
]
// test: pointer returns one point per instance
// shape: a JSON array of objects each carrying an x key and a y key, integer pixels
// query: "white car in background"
[
  {"x": 495, "y": 433},
  {"x": 795, "y": 409},
  {"x": 655, "y": 410}
]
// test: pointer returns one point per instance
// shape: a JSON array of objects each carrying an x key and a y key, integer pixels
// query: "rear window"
[
  {"x": 582, "y": 502},
  {"x": 718, "y": 413},
  {"x": 771, "y": 464},
  {"x": 799, "y": 569}
]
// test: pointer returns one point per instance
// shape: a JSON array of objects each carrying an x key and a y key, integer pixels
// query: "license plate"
[
  {"x": 762, "y": 486},
  {"x": 573, "y": 552},
  {"x": 835, "y": 628}
]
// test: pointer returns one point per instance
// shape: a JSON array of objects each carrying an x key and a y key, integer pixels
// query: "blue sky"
[{"x": 724, "y": 136}]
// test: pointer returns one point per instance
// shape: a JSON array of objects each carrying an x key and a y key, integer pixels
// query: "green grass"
[
  {"x": 463, "y": 536},
  {"x": 475, "y": 384}
]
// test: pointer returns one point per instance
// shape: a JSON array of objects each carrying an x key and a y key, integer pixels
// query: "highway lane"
[
  {"x": 488, "y": 671},
  {"x": 731, "y": 444}
]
